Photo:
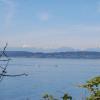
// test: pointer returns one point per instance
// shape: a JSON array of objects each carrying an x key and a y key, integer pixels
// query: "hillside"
[{"x": 75, "y": 54}]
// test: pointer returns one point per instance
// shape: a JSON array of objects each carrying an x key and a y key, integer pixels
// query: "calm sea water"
[{"x": 53, "y": 76}]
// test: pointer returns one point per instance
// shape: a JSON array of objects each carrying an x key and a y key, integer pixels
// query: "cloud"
[
  {"x": 44, "y": 16},
  {"x": 26, "y": 46},
  {"x": 9, "y": 12}
]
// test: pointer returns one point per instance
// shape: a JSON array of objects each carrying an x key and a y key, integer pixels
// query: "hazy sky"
[{"x": 50, "y": 23}]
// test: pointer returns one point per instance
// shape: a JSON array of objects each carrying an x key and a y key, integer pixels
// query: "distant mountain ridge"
[
  {"x": 48, "y": 50},
  {"x": 62, "y": 49},
  {"x": 93, "y": 49},
  {"x": 70, "y": 54}
]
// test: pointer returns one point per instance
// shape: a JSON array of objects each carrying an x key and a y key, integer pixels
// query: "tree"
[
  {"x": 3, "y": 72},
  {"x": 93, "y": 87},
  {"x": 50, "y": 97},
  {"x": 67, "y": 97}
]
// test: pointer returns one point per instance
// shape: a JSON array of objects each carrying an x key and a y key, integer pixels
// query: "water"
[{"x": 53, "y": 76}]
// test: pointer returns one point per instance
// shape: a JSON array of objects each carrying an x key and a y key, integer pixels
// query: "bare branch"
[
  {"x": 24, "y": 74},
  {"x": 4, "y": 69}
]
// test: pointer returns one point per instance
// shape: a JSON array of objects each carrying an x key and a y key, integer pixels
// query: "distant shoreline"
[{"x": 65, "y": 55}]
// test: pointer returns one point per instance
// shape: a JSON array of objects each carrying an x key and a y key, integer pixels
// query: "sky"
[{"x": 50, "y": 23}]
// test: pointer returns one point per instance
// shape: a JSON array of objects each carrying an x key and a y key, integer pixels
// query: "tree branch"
[{"x": 24, "y": 74}]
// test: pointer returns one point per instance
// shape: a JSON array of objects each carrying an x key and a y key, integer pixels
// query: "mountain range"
[
  {"x": 70, "y": 54},
  {"x": 63, "y": 52},
  {"x": 49, "y": 50}
]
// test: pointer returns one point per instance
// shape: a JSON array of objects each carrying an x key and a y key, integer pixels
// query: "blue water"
[{"x": 53, "y": 76}]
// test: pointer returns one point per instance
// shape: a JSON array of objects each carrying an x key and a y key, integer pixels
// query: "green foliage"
[
  {"x": 50, "y": 97},
  {"x": 93, "y": 87},
  {"x": 66, "y": 97}
]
